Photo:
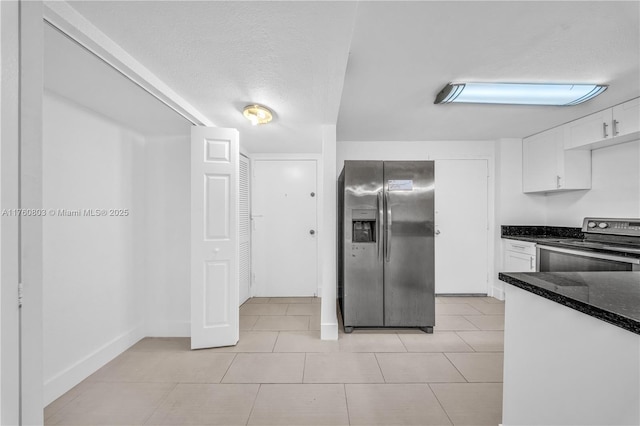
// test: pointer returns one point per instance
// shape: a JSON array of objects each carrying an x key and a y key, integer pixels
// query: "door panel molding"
[{"x": 214, "y": 237}]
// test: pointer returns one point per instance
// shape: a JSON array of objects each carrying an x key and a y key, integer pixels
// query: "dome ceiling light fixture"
[
  {"x": 257, "y": 114},
  {"x": 519, "y": 93}
]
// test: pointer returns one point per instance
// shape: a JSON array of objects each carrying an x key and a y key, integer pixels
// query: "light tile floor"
[{"x": 281, "y": 373}]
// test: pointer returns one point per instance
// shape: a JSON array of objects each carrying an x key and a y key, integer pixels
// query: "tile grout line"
[
  {"x": 346, "y": 401},
  {"x": 456, "y": 367},
  {"x": 304, "y": 367},
  {"x": 466, "y": 343},
  {"x": 275, "y": 342},
  {"x": 375, "y": 355},
  {"x": 402, "y": 341},
  {"x": 440, "y": 403},
  {"x": 164, "y": 398},
  {"x": 254, "y": 403},
  {"x": 229, "y": 367}
]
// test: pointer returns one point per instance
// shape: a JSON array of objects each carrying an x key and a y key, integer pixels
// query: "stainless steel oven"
[
  {"x": 608, "y": 245},
  {"x": 559, "y": 259}
]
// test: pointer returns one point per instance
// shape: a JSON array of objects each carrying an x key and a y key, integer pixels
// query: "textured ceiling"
[
  {"x": 292, "y": 57},
  {"x": 221, "y": 56}
]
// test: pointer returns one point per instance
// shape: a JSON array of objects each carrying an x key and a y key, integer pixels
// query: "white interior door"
[
  {"x": 214, "y": 237},
  {"x": 284, "y": 238},
  {"x": 244, "y": 226},
  {"x": 461, "y": 241}
]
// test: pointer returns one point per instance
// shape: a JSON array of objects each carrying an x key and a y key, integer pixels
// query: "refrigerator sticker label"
[{"x": 400, "y": 185}]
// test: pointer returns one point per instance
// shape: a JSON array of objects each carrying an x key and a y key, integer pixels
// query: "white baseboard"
[
  {"x": 169, "y": 329},
  {"x": 84, "y": 367},
  {"x": 498, "y": 293},
  {"x": 329, "y": 331}
]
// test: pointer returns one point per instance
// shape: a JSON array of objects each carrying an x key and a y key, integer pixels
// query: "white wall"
[
  {"x": 168, "y": 245},
  {"x": 9, "y": 195},
  {"x": 93, "y": 266},
  {"x": 615, "y": 189},
  {"x": 512, "y": 206},
  {"x": 327, "y": 247},
  {"x": 413, "y": 150}
]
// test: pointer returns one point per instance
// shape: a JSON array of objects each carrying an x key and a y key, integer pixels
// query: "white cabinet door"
[
  {"x": 214, "y": 237},
  {"x": 461, "y": 238},
  {"x": 547, "y": 166},
  {"x": 589, "y": 129},
  {"x": 519, "y": 262},
  {"x": 626, "y": 118},
  {"x": 540, "y": 161},
  {"x": 612, "y": 126}
]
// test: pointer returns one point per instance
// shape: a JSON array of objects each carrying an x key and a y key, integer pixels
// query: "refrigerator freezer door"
[
  {"x": 409, "y": 258},
  {"x": 362, "y": 299}
]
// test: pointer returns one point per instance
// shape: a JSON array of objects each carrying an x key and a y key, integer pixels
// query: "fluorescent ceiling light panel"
[{"x": 518, "y": 93}]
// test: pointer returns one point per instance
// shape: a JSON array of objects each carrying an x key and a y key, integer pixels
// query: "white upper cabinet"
[
  {"x": 609, "y": 127},
  {"x": 587, "y": 130},
  {"x": 559, "y": 159},
  {"x": 626, "y": 119},
  {"x": 547, "y": 166}
]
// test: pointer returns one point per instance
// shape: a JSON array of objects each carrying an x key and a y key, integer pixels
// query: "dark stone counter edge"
[
  {"x": 604, "y": 315},
  {"x": 507, "y": 231}
]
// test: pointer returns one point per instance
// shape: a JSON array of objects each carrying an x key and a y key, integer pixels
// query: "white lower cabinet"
[{"x": 519, "y": 256}]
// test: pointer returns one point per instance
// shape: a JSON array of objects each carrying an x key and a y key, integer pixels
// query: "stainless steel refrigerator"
[{"x": 385, "y": 244}]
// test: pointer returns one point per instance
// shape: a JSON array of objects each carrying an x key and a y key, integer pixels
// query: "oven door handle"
[{"x": 592, "y": 254}]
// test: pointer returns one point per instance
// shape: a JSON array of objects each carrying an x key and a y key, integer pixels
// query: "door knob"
[
  {"x": 312, "y": 232},
  {"x": 437, "y": 232}
]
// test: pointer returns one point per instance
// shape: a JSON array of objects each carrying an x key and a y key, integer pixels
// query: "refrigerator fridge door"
[
  {"x": 362, "y": 293},
  {"x": 409, "y": 249}
]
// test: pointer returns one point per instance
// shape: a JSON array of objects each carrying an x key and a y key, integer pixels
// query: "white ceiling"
[
  {"x": 76, "y": 74},
  {"x": 292, "y": 57},
  {"x": 402, "y": 54},
  {"x": 221, "y": 56}
]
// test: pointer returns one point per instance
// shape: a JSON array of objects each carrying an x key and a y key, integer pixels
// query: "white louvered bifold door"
[{"x": 244, "y": 224}]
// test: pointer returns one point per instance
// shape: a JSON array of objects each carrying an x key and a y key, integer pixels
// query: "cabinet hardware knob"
[
  {"x": 604, "y": 130},
  {"x": 615, "y": 127}
]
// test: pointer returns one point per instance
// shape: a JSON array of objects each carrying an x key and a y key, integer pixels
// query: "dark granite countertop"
[
  {"x": 555, "y": 236},
  {"x": 518, "y": 232},
  {"x": 613, "y": 297},
  {"x": 538, "y": 239}
]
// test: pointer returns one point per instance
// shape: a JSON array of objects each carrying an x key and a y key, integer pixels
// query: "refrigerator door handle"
[
  {"x": 379, "y": 231},
  {"x": 387, "y": 227}
]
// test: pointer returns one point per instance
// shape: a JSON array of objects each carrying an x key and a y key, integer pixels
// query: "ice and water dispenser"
[{"x": 363, "y": 226}]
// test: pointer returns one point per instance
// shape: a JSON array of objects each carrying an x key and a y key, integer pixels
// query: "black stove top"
[{"x": 618, "y": 235}]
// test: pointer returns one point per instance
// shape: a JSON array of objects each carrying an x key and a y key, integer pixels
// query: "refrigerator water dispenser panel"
[{"x": 363, "y": 226}]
